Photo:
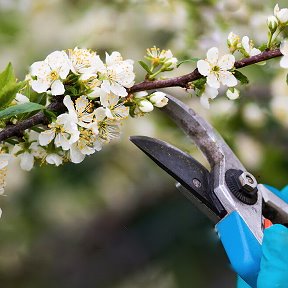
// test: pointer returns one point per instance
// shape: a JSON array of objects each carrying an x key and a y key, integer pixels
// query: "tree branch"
[
  {"x": 39, "y": 118},
  {"x": 181, "y": 81}
]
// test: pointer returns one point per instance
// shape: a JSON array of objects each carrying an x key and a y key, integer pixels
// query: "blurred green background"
[{"x": 116, "y": 220}]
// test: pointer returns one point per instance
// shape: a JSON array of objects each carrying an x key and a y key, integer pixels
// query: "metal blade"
[
  {"x": 203, "y": 134},
  {"x": 186, "y": 170}
]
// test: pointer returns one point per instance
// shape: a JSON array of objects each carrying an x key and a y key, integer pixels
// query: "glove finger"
[
  {"x": 284, "y": 193},
  {"x": 274, "y": 261},
  {"x": 241, "y": 283}
]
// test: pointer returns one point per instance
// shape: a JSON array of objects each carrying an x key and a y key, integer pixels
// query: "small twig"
[{"x": 181, "y": 81}]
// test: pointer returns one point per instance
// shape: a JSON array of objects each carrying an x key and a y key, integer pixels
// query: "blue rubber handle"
[{"x": 241, "y": 246}]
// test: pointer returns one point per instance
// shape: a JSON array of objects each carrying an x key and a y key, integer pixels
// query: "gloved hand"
[{"x": 274, "y": 262}]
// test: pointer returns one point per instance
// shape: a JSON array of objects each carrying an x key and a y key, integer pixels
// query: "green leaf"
[
  {"x": 200, "y": 83},
  {"x": 241, "y": 77},
  {"x": 20, "y": 109},
  {"x": 72, "y": 90},
  {"x": 146, "y": 67},
  {"x": 8, "y": 86},
  {"x": 188, "y": 60},
  {"x": 263, "y": 47},
  {"x": 50, "y": 115},
  {"x": 7, "y": 76},
  {"x": 8, "y": 93}
]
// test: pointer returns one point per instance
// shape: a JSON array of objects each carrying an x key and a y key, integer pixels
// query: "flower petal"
[
  {"x": 71, "y": 109},
  {"x": 26, "y": 161},
  {"x": 61, "y": 141},
  {"x": 284, "y": 47},
  {"x": 20, "y": 98},
  {"x": 54, "y": 159},
  {"x": 100, "y": 113},
  {"x": 57, "y": 88},
  {"x": 226, "y": 62},
  {"x": 105, "y": 86},
  {"x": 213, "y": 55},
  {"x": 40, "y": 85},
  {"x": 46, "y": 137},
  {"x": 204, "y": 67},
  {"x": 114, "y": 58},
  {"x": 212, "y": 81},
  {"x": 227, "y": 78},
  {"x": 75, "y": 154},
  {"x": 246, "y": 44},
  {"x": 118, "y": 89},
  {"x": 284, "y": 62},
  {"x": 4, "y": 158},
  {"x": 282, "y": 15},
  {"x": 204, "y": 101},
  {"x": 254, "y": 52},
  {"x": 40, "y": 69},
  {"x": 210, "y": 92}
]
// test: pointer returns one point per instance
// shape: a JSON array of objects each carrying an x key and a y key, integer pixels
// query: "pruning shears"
[{"x": 228, "y": 194}]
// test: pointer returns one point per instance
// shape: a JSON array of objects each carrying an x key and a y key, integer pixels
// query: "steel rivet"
[{"x": 196, "y": 183}]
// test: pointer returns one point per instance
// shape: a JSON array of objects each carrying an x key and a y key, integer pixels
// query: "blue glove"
[{"x": 274, "y": 262}]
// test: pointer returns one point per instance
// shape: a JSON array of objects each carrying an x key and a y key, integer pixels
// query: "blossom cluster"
[
  {"x": 221, "y": 71},
  {"x": 96, "y": 100}
]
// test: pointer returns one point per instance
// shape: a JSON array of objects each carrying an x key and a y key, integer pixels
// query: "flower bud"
[
  {"x": 232, "y": 41},
  {"x": 141, "y": 94},
  {"x": 145, "y": 106},
  {"x": 281, "y": 14},
  {"x": 272, "y": 23},
  {"x": 232, "y": 93},
  {"x": 158, "y": 99}
]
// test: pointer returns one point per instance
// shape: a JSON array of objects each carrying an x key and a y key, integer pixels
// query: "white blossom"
[
  {"x": 216, "y": 69},
  {"x": 82, "y": 112},
  {"x": 64, "y": 131},
  {"x": 117, "y": 75},
  {"x": 109, "y": 129},
  {"x": 145, "y": 106},
  {"x": 169, "y": 60},
  {"x": 50, "y": 73},
  {"x": 249, "y": 48},
  {"x": 158, "y": 56},
  {"x": 87, "y": 144},
  {"x": 284, "y": 51},
  {"x": 84, "y": 61},
  {"x": 28, "y": 150},
  {"x": 233, "y": 41},
  {"x": 114, "y": 108},
  {"x": 281, "y": 14},
  {"x": 208, "y": 94},
  {"x": 158, "y": 99},
  {"x": 232, "y": 93}
]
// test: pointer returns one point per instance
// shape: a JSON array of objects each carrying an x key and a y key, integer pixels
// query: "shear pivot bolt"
[
  {"x": 248, "y": 182},
  {"x": 243, "y": 185}
]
